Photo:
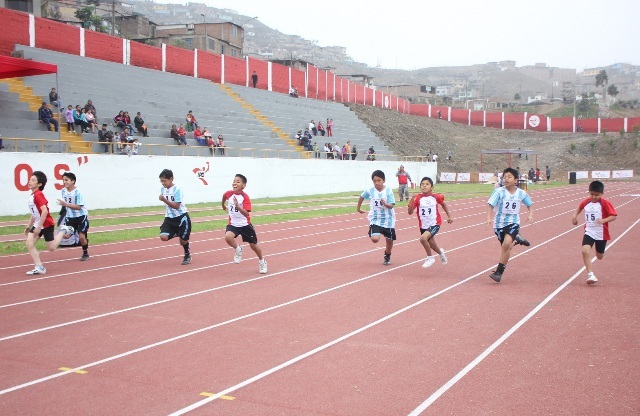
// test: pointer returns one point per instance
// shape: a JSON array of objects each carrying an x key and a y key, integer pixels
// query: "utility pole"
[
  {"x": 206, "y": 39},
  {"x": 113, "y": 17}
]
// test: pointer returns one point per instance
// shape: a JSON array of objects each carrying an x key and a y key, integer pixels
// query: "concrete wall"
[{"x": 120, "y": 181}]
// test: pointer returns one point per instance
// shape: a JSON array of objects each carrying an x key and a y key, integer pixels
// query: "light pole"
[{"x": 206, "y": 41}]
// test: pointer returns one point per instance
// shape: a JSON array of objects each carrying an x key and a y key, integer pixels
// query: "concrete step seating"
[{"x": 164, "y": 99}]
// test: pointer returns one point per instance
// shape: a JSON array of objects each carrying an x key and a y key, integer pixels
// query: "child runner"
[
  {"x": 240, "y": 221},
  {"x": 41, "y": 224},
  {"x": 382, "y": 217},
  {"x": 76, "y": 215},
  {"x": 429, "y": 219},
  {"x": 598, "y": 214},
  {"x": 506, "y": 201},
  {"x": 176, "y": 219}
]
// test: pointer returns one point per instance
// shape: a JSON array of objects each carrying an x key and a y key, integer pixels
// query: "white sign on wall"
[
  {"x": 464, "y": 177},
  {"x": 581, "y": 174},
  {"x": 485, "y": 176},
  {"x": 448, "y": 177},
  {"x": 600, "y": 174},
  {"x": 622, "y": 174}
]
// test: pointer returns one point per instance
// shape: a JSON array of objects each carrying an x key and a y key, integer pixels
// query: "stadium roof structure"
[
  {"x": 507, "y": 152},
  {"x": 11, "y": 67}
]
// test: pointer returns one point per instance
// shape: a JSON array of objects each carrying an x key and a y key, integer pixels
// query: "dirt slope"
[{"x": 410, "y": 135}]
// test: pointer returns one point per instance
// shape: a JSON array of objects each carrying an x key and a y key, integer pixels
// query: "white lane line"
[{"x": 443, "y": 389}]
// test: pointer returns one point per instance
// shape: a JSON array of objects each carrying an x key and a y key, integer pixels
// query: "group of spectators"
[
  {"x": 202, "y": 136},
  {"x": 320, "y": 129},
  {"x": 334, "y": 151}
]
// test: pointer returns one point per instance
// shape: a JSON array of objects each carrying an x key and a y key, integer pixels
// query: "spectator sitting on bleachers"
[
  {"x": 125, "y": 139},
  {"x": 199, "y": 137},
  {"x": 312, "y": 128},
  {"x": 337, "y": 153},
  {"x": 127, "y": 121},
  {"x": 209, "y": 140},
  {"x": 46, "y": 116},
  {"x": 371, "y": 154},
  {"x": 182, "y": 134},
  {"x": 176, "y": 136},
  {"x": 105, "y": 136},
  {"x": 293, "y": 92},
  {"x": 132, "y": 147},
  {"x": 299, "y": 137},
  {"x": 221, "y": 144},
  {"x": 191, "y": 121},
  {"x": 140, "y": 126},
  {"x": 53, "y": 98},
  {"x": 320, "y": 128},
  {"x": 90, "y": 107},
  {"x": 327, "y": 151},
  {"x": 306, "y": 143},
  {"x": 118, "y": 121},
  {"x": 91, "y": 120}
]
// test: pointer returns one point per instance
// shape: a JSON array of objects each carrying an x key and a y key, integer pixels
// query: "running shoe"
[
  {"x": 186, "y": 260},
  {"x": 496, "y": 276},
  {"x": 591, "y": 278},
  {"x": 85, "y": 257},
  {"x": 443, "y": 258},
  {"x": 262, "y": 266},
  {"x": 37, "y": 270},
  {"x": 387, "y": 259},
  {"x": 428, "y": 262},
  {"x": 237, "y": 256},
  {"x": 521, "y": 240}
]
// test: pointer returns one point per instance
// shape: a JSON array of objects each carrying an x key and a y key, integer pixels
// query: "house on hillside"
[
  {"x": 416, "y": 94},
  {"x": 224, "y": 38}
]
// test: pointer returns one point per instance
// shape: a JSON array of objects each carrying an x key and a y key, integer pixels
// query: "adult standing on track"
[{"x": 403, "y": 186}]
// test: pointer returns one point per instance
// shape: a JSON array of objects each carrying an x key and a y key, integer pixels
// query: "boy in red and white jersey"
[
  {"x": 41, "y": 224},
  {"x": 598, "y": 214},
  {"x": 240, "y": 221},
  {"x": 429, "y": 219}
]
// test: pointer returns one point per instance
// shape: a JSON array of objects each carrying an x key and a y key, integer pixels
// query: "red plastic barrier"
[
  {"x": 514, "y": 121},
  {"x": 477, "y": 118},
  {"x": 613, "y": 125},
  {"x": 58, "y": 37},
  {"x": 15, "y": 30},
  {"x": 235, "y": 70},
  {"x": 494, "y": 120},
  {"x": 179, "y": 61},
  {"x": 262, "y": 70},
  {"x": 280, "y": 78},
  {"x": 297, "y": 80},
  {"x": 209, "y": 66},
  {"x": 460, "y": 116},
  {"x": 102, "y": 46},
  {"x": 537, "y": 122},
  {"x": 322, "y": 85},
  {"x": 562, "y": 124}
]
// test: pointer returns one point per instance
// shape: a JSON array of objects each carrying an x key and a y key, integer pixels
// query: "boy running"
[
  {"x": 176, "y": 219},
  {"x": 41, "y": 224},
  {"x": 506, "y": 201},
  {"x": 76, "y": 215},
  {"x": 429, "y": 220},
  {"x": 382, "y": 217},
  {"x": 598, "y": 214},
  {"x": 239, "y": 210}
]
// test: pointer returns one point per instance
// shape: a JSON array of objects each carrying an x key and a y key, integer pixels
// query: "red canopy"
[{"x": 15, "y": 67}]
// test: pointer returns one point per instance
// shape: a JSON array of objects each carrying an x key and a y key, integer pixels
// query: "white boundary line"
[{"x": 443, "y": 389}]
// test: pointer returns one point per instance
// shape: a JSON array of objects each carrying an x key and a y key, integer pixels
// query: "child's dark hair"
[
  {"x": 511, "y": 171},
  {"x": 596, "y": 186},
  {"x": 379, "y": 174},
  {"x": 42, "y": 179},
  {"x": 166, "y": 174},
  {"x": 428, "y": 179},
  {"x": 242, "y": 178},
  {"x": 69, "y": 175}
]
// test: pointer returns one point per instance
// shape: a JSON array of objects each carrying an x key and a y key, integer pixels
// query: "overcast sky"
[{"x": 416, "y": 34}]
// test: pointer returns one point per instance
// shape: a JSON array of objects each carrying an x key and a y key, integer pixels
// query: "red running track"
[{"x": 330, "y": 330}]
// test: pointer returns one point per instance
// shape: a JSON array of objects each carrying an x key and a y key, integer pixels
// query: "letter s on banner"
[
  {"x": 17, "y": 176},
  {"x": 58, "y": 171}
]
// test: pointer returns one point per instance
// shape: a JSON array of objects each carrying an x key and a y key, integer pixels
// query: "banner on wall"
[
  {"x": 600, "y": 174},
  {"x": 464, "y": 177},
  {"x": 581, "y": 174},
  {"x": 485, "y": 176},
  {"x": 448, "y": 177},
  {"x": 622, "y": 174}
]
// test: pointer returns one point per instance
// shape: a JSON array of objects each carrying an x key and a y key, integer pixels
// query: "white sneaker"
[
  {"x": 66, "y": 230},
  {"x": 591, "y": 278},
  {"x": 37, "y": 270},
  {"x": 443, "y": 258},
  {"x": 237, "y": 256},
  {"x": 428, "y": 262},
  {"x": 262, "y": 266}
]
